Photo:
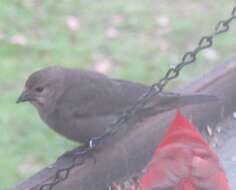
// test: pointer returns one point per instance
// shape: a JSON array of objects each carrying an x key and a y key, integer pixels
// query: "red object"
[{"x": 183, "y": 161}]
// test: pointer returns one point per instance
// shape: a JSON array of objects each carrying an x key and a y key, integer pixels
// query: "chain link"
[{"x": 155, "y": 89}]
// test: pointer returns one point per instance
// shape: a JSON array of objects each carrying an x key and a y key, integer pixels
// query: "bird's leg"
[
  {"x": 92, "y": 155},
  {"x": 91, "y": 145}
]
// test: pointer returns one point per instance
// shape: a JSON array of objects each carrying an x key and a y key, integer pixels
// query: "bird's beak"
[{"x": 24, "y": 97}]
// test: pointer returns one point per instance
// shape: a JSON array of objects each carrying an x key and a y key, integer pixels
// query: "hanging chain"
[{"x": 173, "y": 72}]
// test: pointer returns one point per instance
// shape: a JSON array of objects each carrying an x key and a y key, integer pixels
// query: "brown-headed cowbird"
[{"x": 81, "y": 104}]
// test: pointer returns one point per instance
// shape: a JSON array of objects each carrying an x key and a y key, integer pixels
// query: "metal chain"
[{"x": 155, "y": 89}]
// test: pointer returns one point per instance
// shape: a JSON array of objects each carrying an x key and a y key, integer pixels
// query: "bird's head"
[{"x": 42, "y": 87}]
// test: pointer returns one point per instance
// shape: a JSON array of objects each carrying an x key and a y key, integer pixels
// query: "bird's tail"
[
  {"x": 169, "y": 101},
  {"x": 191, "y": 99}
]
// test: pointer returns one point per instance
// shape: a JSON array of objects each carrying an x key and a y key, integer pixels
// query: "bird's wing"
[{"x": 93, "y": 94}]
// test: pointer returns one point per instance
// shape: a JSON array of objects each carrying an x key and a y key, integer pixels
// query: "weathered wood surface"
[{"x": 125, "y": 155}]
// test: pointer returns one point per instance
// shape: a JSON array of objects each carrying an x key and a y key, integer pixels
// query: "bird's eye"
[{"x": 39, "y": 89}]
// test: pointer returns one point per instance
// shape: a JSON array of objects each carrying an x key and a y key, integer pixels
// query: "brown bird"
[{"x": 81, "y": 104}]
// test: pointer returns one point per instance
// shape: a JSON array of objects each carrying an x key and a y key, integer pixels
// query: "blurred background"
[{"x": 131, "y": 39}]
